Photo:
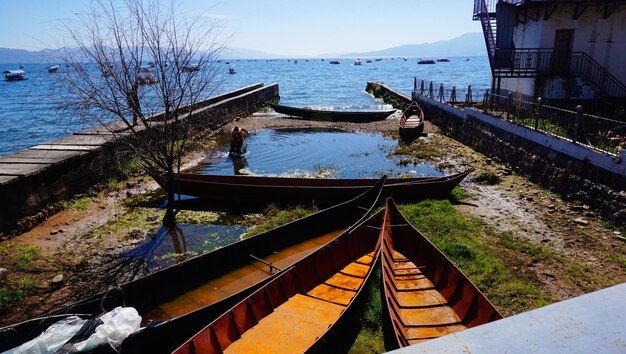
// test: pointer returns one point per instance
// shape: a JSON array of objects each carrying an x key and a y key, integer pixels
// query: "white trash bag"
[
  {"x": 52, "y": 338},
  {"x": 117, "y": 324}
]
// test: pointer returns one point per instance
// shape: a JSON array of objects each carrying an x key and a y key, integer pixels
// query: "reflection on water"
[
  {"x": 175, "y": 245},
  {"x": 287, "y": 152},
  {"x": 314, "y": 152}
]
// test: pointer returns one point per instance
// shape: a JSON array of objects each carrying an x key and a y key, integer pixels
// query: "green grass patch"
[
  {"x": 370, "y": 339},
  {"x": 619, "y": 260},
  {"x": 488, "y": 178},
  {"x": 24, "y": 257},
  {"x": 9, "y": 296},
  {"x": 114, "y": 184},
  {"x": 274, "y": 217},
  {"x": 79, "y": 203},
  {"x": 419, "y": 150}
]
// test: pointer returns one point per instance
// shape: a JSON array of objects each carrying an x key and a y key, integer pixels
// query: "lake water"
[{"x": 30, "y": 114}]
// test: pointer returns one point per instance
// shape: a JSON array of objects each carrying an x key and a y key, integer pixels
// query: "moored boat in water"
[
  {"x": 189, "y": 295},
  {"x": 426, "y": 295},
  {"x": 411, "y": 125},
  {"x": 426, "y": 61},
  {"x": 332, "y": 115},
  {"x": 321, "y": 192},
  {"x": 14, "y": 75},
  {"x": 308, "y": 308}
]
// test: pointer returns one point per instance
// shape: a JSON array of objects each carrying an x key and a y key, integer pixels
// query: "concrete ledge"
[{"x": 33, "y": 179}]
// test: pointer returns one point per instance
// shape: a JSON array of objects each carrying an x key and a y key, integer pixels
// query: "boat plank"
[
  {"x": 425, "y": 294},
  {"x": 296, "y": 324},
  {"x": 292, "y": 327}
]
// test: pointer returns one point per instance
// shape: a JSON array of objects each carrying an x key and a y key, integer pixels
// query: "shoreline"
[{"x": 514, "y": 206}]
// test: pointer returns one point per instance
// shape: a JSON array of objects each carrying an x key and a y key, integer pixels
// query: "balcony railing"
[{"x": 532, "y": 62}]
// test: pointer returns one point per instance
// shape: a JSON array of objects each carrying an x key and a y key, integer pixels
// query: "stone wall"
[
  {"x": 573, "y": 178},
  {"x": 30, "y": 193}
]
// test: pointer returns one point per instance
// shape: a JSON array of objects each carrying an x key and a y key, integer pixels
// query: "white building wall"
[{"x": 604, "y": 40}]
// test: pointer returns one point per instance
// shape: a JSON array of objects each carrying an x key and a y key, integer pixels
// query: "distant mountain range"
[{"x": 469, "y": 44}]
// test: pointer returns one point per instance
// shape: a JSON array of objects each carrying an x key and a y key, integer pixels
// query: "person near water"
[{"x": 237, "y": 138}]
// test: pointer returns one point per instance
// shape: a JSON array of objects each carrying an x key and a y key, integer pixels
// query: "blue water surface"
[{"x": 31, "y": 111}]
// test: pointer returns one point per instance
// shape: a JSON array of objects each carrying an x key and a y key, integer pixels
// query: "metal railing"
[
  {"x": 603, "y": 134},
  {"x": 531, "y": 62}
]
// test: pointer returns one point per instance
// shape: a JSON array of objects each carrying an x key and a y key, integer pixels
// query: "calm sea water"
[{"x": 30, "y": 114}]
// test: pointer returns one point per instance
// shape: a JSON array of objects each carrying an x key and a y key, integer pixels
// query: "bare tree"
[{"x": 137, "y": 69}]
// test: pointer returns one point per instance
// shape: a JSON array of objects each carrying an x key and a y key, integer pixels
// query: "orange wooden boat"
[
  {"x": 306, "y": 308},
  {"x": 427, "y": 296},
  {"x": 178, "y": 301}
]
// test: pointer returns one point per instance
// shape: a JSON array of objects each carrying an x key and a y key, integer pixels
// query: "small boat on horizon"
[
  {"x": 232, "y": 71},
  {"x": 426, "y": 61},
  {"x": 14, "y": 75},
  {"x": 54, "y": 68},
  {"x": 443, "y": 60}
]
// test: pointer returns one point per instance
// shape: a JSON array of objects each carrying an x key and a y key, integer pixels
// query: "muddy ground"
[{"x": 71, "y": 254}]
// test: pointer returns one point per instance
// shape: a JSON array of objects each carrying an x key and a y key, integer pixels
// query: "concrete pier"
[
  {"x": 32, "y": 180},
  {"x": 573, "y": 170}
]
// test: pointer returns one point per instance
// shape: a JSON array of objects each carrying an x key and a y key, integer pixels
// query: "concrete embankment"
[
  {"x": 573, "y": 170},
  {"x": 33, "y": 180}
]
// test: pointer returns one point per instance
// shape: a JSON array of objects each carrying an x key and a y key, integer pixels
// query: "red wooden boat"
[
  {"x": 426, "y": 295},
  {"x": 304, "y": 309},
  {"x": 321, "y": 192},
  {"x": 189, "y": 295},
  {"x": 411, "y": 125}
]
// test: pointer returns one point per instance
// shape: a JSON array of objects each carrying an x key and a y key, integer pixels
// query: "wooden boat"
[
  {"x": 292, "y": 191},
  {"x": 305, "y": 309},
  {"x": 426, "y": 295},
  {"x": 14, "y": 75},
  {"x": 411, "y": 124},
  {"x": 189, "y": 295},
  {"x": 333, "y": 116}
]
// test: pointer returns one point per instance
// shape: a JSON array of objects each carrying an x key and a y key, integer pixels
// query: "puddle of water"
[
  {"x": 286, "y": 152},
  {"x": 314, "y": 152},
  {"x": 185, "y": 241}
]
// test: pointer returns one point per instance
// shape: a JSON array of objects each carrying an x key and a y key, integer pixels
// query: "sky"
[{"x": 282, "y": 27}]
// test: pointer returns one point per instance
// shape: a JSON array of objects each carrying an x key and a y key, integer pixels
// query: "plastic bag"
[
  {"x": 52, "y": 338},
  {"x": 117, "y": 324}
]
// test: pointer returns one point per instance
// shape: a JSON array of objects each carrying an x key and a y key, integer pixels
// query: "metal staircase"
[{"x": 486, "y": 14}]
